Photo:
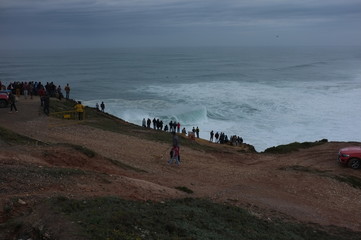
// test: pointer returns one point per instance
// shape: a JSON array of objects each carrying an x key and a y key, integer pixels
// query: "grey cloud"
[{"x": 155, "y": 19}]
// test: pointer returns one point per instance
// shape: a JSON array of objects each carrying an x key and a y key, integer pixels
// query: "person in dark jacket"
[
  {"x": 46, "y": 103},
  {"x": 12, "y": 102}
]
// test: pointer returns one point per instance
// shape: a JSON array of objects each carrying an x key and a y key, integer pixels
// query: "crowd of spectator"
[
  {"x": 30, "y": 89},
  {"x": 174, "y": 126}
]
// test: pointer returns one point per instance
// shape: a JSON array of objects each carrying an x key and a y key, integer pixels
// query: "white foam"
[{"x": 263, "y": 114}]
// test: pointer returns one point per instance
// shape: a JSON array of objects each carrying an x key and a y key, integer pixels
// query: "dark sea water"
[{"x": 269, "y": 96}]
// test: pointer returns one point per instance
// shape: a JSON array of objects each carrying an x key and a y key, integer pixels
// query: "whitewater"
[{"x": 268, "y": 96}]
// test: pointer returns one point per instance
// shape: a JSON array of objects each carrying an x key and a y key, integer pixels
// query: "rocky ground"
[{"x": 303, "y": 185}]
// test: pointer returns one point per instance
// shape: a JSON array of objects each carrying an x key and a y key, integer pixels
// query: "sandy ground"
[{"x": 252, "y": 180}]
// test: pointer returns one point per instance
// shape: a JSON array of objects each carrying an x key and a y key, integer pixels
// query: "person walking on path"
[
  {"x": 79, "y": 108},
  {"x": 41, "y": 94},
  {"x": 102, "y": 106},
  {"x": 46, "y": 104},
  {"x": 67, "y": 91},
  {"x": 174, "y": 153},
  {"x": 12, "y": 102}
]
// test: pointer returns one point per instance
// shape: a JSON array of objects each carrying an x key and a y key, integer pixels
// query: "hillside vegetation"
[{"x": 106, "y": 179}]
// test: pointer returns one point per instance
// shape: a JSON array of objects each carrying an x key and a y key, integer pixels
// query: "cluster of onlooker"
[
  {"x": 236, "y": 140},
  {"x": 159, "y": 125},
  {"x": 30, "y": 89},
  {"x": 222, "y": 138},
  {"x": 174, "y": 126},
  {"x": 100, "y": 107}
]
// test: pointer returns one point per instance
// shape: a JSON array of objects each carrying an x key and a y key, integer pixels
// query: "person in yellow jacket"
[{"x": 79, "y": 108}]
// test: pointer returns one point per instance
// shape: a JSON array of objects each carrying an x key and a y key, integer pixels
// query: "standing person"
[
  {"x": 12, "y": 102},
  {"x": 184, "y": 131},
  {"x": 46, "y": 104},
  {"x": 31, "y": 89},
  {"x": 60, "y": 94},
  {"x": 97, "y": 106},
  {"x": 26, "y": 90},
  {"x": 197, "y": 132},
  {"x": 67, "y": 91},
  {"x": 217, "y": 136},
  {"x": 17, "y": 89},
  {"x": 178, "y": 127},
  {"x": 174, "y": 153},
  {"x": 154, "y": 123},
  {"x": 79, "y": 108},
  {"x": 41, "y": 94},
  {"x": 211, "y": 138},
  {"x": 171, "y": 126},
  {"x": 144, "y": 123},
  {"x": 102, "y": 106},
  {"x": 221, "y": 138}
]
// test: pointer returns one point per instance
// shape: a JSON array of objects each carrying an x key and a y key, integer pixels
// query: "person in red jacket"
[{"x": 41, "y": 93}]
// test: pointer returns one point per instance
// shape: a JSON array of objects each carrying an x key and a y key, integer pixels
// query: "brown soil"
[{"x": 252, "y": 180}]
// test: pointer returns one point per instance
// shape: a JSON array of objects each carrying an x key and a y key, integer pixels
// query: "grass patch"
[
  {"x": 352, "y": 181},
  {"x": 303, "y": 169},
  {"x": 184, "y": 189},
  {"x": 59, "y": 172},
  {"x": 125, "y": 166},
  {"x": 61, "y": 106},
  {"x": 114, "y": 218},
  {"x": 292, "y": 147},
  {"x": 86, "y": 151},
  {"x": 89, "y": 153},
  {"x": 107, "y": 122},
  {"x": 11, "y": 137},
  {"x": 26, "y": 178}
]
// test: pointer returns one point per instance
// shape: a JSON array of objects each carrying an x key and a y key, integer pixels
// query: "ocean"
[{"x": 267, "y": 95}]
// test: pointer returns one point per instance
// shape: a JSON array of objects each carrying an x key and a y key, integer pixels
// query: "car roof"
[{"x": 5, "y": 91}]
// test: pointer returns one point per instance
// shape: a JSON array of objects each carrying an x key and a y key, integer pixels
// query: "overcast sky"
[{"x": 133, "y": 23}]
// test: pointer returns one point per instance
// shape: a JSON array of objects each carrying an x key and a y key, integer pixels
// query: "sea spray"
[{"x": 269, "y": 96}]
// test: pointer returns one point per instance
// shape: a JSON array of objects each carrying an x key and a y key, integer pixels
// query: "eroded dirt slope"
[{"x": 302, "y": 185}]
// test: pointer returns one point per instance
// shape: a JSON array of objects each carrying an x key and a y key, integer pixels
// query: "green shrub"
[
  {"x": 184, "y": 189},
  {"x": 11, "y": 137},
  {"x": 114, "y": 218},
  {"x": 353, "y": 181},
  {"x": 295, "y": 146}
]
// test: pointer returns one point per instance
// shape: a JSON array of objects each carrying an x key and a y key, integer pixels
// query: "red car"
[
  {"x": 4, "y": 98},
  {"x": 350, "y": 156}
]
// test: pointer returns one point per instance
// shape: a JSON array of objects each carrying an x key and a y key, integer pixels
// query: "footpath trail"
[
  {"x": 272, "y": 183},
  {"x": 28, "y": 109}
]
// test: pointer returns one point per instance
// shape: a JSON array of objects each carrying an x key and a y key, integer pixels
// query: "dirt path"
[{"x": 270, "y": 182}]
